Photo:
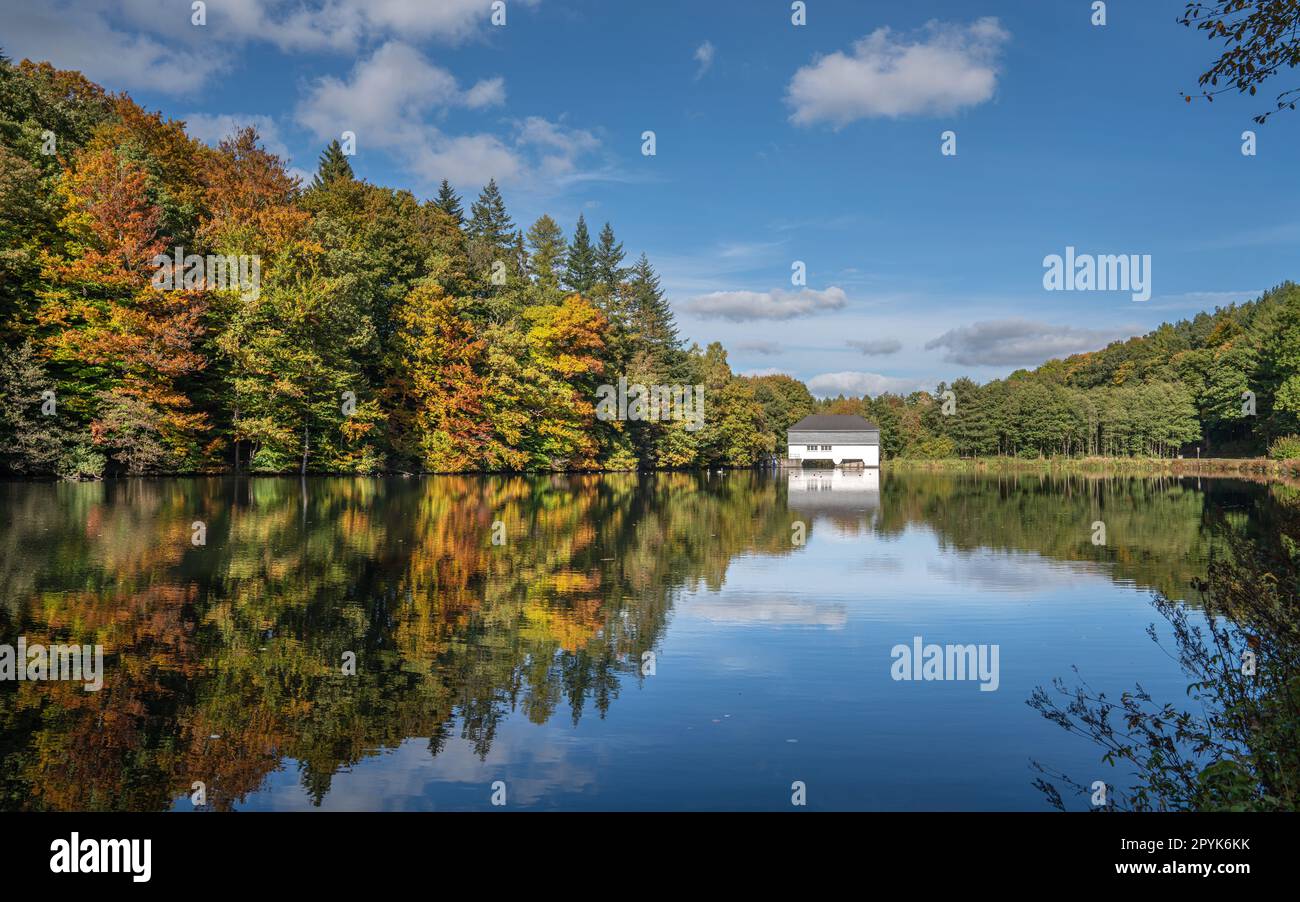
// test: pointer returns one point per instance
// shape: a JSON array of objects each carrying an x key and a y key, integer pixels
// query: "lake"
[{"x": 622, "y": 641}]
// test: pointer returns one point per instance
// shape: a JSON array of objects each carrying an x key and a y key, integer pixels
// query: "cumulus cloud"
[
  {"x": 387, "y": 97},
  {"x": 1017, "y": 342},
  {"x": 943, "y": 69},
  {"x": 212, "y": 128},
  {"x": 79, "y": 35},
  {"x": 465, "y": 159},
  {"x": 391, "y": 100},
  {"x": 315, "y": 25},
  {"x": 704, "y": 56},
  {"x": 741, "y": 306},
  {"x": 488, "y": 92},
  {"x": 857, "y": 383},
  {"x": 559, "y": 147},
  {"x": 875, "y": 347},
  {"x": 150, "y": 44}
]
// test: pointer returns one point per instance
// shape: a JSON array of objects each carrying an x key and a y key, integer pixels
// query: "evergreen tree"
[
  {"x": 448, "y": 201},
  {"x": 31, "y": 441},
  {"x": 652, "y": 323},
  {"x": 610, "y": 271},
  {"x": 333, "y": 165},
  {"x": 547, "y": 244},
  {"x": 490, "y": 230},
  {"x": 580, "y": 264},
  {"x": 519, "y": 254},
  {"x": 489, "y": 222}
]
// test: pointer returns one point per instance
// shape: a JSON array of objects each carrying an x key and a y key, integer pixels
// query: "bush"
[
  {"x": 933, "y": 448},
  {"x": 1285, "y": 448},
  {"x": 81, "y": 461},
  {"x": 1237, "y": 746},
  {"x": 268, "y": 460}
]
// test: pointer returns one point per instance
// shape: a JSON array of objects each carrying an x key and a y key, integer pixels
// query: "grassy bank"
[{"x": 1254, "y": 467}]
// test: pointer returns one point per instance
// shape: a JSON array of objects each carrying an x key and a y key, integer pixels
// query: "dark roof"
[{"x": 827, "y": 422}]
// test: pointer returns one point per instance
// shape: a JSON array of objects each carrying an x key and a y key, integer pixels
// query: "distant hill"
[{"x": 1227, "y": 381}]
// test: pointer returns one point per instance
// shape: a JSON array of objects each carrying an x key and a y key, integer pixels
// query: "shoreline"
[
  {"x": 1246, "y": 467},
  {"x": 1243, "y": 467}
]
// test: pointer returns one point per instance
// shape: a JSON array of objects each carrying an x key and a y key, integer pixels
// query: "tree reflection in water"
[{"x": 225, "y": 659}]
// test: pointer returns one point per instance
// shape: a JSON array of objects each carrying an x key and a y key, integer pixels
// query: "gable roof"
[{"x": 828, "y": 422}]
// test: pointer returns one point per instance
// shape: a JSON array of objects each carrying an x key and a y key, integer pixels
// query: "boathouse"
[{"x": 835, "y": 438}]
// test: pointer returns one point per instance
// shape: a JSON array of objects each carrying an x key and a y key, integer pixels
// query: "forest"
[
  {"x": 390, "y": 334},
  {"x": 386, "y": 333},
  {"x": 1226, "y": 382}
]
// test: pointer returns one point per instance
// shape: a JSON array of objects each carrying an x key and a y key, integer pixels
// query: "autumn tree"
[
  {"x": 119, "y": 341},
  {"x": 441, "y": 362}
]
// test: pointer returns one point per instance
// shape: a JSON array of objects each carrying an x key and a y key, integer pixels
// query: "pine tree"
[
  {"x": 449, "y": 202},
  {"x": 580, "y": 264},
  {"x": 31, "y": 441},
  {"x": 490, "y": 230},
  {"x": 489, "y": 222},
  {"x": 652, "y": 321},
  {"x": 547, "y": 243},
  {"x": 610, "y": 271},
  {"x": 519, "y": 254},
  {"x": 333, "y": 165}
]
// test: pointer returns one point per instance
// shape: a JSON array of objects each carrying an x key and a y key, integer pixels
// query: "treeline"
[
  {"x": 380, "y": 332},
  {"x": 372, "y": 331},
  {"x": 1227, "y": 382}
]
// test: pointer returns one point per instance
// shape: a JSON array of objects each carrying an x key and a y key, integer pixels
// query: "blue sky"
[{"x": 775, "y": 144}]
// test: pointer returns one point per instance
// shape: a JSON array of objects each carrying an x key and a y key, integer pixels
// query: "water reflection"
[
  {"x": 225, "y": 660},
  {"x": 838, "y": 494}
]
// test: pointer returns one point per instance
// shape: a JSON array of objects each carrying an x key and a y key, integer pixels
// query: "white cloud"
[
  {"x": 488, "y": 92},
  {"x": 211, "y": 128},
  {"x": 151, "y": 44},
  {"x": 467, "y": 160},
  {"x": 740, "y": 306},
  {"x": 391, "y": 99},
  {"x": 704, "y": 56},
  {"x": 945, "y": 68},
  {"x": 1018, "y": 342},
  {"x": 315, "y": 25},
  {"x": 857, "y": 383},
  {"x": 387, "y": 97},
  {"x": 558, "y": 147},
  {"x": 78, "y": 35}
]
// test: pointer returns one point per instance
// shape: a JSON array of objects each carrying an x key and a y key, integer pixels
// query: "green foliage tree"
[{"x": 546, "y": 257}]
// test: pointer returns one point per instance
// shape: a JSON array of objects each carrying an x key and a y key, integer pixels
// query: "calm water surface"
[{"x": 522, "y": 662}]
